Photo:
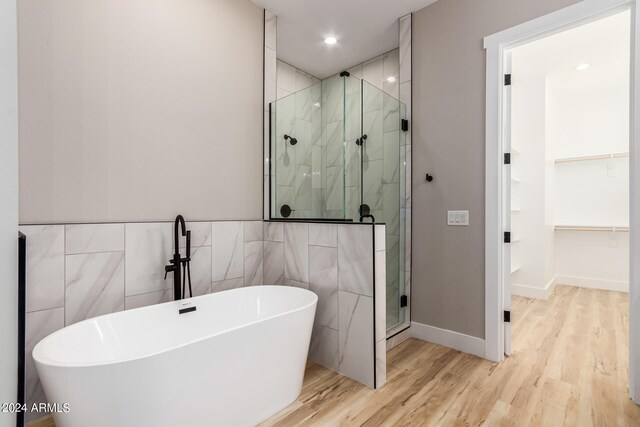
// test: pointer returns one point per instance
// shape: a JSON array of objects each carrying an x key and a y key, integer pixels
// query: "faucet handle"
[
  {"x": 167, "y": 269},
  {"x": 189, "y": 244}
]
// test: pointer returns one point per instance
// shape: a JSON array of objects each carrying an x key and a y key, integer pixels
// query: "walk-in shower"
[{"x": 337, "y": 151}]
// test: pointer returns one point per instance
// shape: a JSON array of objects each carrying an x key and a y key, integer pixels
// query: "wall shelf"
[
  {"x": 588, "y": 158},
  {"x": 590, "y": 228}
]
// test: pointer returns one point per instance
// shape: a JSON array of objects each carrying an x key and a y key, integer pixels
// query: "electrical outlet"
[{"x": 457, "y": 217}]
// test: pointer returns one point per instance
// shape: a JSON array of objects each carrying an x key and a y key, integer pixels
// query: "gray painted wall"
[
  {"x": 8, "y": 206},
  {"x": 449, "y": 143},
  {"x": 137, "y": 111}
]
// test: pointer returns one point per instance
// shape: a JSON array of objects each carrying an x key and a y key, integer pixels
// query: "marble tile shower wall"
[
  {"x": 300, "y": 116},
  {"x": 75, "y": 272},
  {"x": 332, "y": 146},
  {"x": 290, "y": 79},
  {"x": 344, "y": 120},
  {"x": 297, "y": 114},
  {"x": 336, "y": 261}
]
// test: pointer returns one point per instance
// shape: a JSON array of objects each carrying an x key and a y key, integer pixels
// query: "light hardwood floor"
[{"x": 568, "y": 368}]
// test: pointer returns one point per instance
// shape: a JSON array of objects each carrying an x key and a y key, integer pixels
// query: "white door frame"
[{"x": 495, "y": 45}]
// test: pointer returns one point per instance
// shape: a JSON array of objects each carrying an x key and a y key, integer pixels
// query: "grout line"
[
  {"x": 130, "y": 222},
  {"x": 92, "y": 253},
  {"x": 44, "y": 309}
]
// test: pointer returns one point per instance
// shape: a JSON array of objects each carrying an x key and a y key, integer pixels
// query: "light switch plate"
[{"x": 457, "y": 217}]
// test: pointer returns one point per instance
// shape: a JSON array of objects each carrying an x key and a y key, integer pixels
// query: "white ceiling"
[
  {"x": 599, "y": 44},
  {"x": 364, "y": 29}
]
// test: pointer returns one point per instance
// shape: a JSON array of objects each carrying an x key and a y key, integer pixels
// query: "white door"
[{"x": 506, "y": 203}]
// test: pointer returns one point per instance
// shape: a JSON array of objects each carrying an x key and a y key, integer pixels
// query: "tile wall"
[
  {"x": 291, "y": 79},
  {"x": 297, "y": 115},
  {"x": 341, "y": 265},
  {"x": 75, "y": 272}
]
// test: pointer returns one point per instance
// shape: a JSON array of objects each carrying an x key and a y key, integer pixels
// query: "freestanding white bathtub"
[{"x": 234, "y": 361}]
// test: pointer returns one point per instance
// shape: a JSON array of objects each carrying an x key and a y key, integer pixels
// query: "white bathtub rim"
[{"x": 44, "y": 360}]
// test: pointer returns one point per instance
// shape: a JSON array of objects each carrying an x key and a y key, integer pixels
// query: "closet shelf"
[
  {"x": 589, "y": 228},
  {"x": 596, "y": 157}
]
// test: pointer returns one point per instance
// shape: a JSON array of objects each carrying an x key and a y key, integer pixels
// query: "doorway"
[
  {"x": 567, "y": 178},
  {"x": 497, "y": 221}
]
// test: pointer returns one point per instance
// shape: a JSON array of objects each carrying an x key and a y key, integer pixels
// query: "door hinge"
[
  {"x": 507, "y": 237},
  {"x": 507, "y": 316},
  {"x": 507, "y": 79},
  {"x": 405, "y": 125},
  {"x": 507, "y": 158},
  {"x": 404, "y": 301}
]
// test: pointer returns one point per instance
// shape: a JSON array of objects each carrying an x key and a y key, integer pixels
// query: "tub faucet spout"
[{"x": 177, "y": 262}]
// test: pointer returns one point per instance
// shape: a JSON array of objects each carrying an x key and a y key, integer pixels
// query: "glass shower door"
[
  {"x": 383, "y": 185},
  {"x": 295, "y": 138}
]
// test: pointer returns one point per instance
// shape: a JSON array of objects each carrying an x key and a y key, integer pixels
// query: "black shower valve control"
[
  {"x": 429, "y": 178},
  {"x": 361, "y": 140}
]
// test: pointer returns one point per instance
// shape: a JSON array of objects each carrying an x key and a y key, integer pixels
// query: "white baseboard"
[
  {"x": 588, "y": 282},
  {"x": 532, "y": 291},
  {"x": 451, "y": 339}
]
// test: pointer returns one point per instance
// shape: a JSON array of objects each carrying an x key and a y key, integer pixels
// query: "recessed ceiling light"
[
  {"x": 391, "y": 79},
  {"x": 582, "y": 67},
  {"x": 330, "y": 40}
]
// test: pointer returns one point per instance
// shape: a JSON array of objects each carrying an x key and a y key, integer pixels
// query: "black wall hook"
[{"x": 429, "y": 178}]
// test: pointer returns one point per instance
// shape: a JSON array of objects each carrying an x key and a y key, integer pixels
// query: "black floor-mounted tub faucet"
[{"x": 177, "y": 262}]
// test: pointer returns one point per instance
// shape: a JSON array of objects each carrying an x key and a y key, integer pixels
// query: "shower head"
[{"x": 292, "y": 140}]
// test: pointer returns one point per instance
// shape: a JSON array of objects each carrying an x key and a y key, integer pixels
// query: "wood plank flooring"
[{"x": 569, "y": 367}]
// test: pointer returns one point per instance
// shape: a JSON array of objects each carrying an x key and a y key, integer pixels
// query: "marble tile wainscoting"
[
  {"x": 344, "y": 264},
  {"x": 75, "y": 272},
  {"x": 79, "y": 271}
]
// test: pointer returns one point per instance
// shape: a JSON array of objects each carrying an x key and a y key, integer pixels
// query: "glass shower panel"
[
  {"x": 352, "y": 147},
  {"x": 372, "y": 127},
  {"x": 296, "y": 133},
  {"x": 333, "y": 100},
  {"x": 336, "y": 146},
  {"x": 402, "y": 175},
  {"x": 383, "y": 178}
]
